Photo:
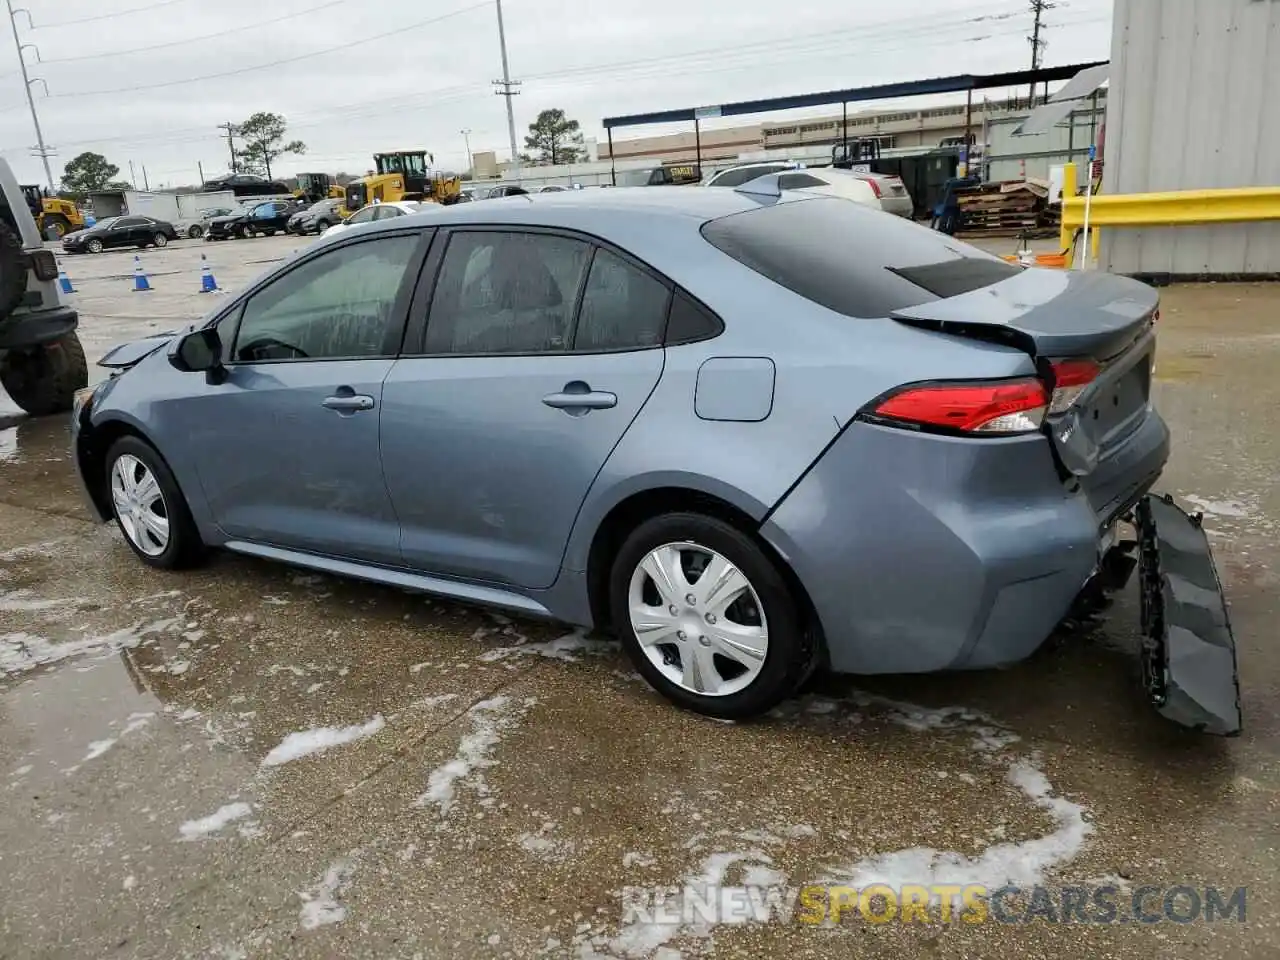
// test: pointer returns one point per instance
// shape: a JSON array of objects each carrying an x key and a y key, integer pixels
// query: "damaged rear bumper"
[{"x": 1188, "y": 650}]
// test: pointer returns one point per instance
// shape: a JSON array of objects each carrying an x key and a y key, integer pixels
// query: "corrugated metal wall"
[{"x": 1194, "y": 103}]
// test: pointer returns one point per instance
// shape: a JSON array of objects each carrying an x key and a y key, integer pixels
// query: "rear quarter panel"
[{"x": 827, "y": 367}]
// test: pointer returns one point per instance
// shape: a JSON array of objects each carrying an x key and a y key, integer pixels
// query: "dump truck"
[
  {"x": 42, "y": 362},
  {"x": 402, "y": 175},
  {"x": 54, "y": 217}
]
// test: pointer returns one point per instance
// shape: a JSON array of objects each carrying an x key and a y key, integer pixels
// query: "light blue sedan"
[{"x": 751, "y": 432}]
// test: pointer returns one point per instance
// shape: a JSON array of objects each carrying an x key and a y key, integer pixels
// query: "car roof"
[{"x": 583, "y": 209}]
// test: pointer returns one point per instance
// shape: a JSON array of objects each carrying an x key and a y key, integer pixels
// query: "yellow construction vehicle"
[
  {"x": 402, "y": 175},
  {"x": 316, "y": 187},
  {"x": 54, "y": 217}
]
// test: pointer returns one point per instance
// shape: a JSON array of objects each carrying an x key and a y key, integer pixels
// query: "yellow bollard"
[{"x": 1068, "y": 190}]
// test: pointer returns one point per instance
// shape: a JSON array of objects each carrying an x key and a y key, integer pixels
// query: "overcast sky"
[{"x": 356, "y": 77}]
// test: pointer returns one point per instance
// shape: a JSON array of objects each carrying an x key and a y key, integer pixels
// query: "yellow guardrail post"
[{"x": 1065, "y": 235}]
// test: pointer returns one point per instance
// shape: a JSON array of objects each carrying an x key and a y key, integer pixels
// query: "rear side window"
[
  {"x": 623, "y": 308},
  {"x": 690, "y": 322},
  {"x": 851, "y": 258}
]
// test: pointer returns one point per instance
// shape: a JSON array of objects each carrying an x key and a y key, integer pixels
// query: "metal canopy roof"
[
  {"x": 1061, "y": 104},
  {"x": 913, "y": 88}
]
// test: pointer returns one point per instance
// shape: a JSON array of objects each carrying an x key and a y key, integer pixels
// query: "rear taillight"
[
  {"x": 875, "y": 187},
  {"x": 1011, "y": 406},
  {"x": 1070, "y": 379}
]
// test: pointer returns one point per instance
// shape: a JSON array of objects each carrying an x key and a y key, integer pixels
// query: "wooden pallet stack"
[{"x": 1014, "y": 208}]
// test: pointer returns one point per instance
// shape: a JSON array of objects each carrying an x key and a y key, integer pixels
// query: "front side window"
[
  {"x": 387, "y": 212},
  {"x": 338, "y": 305},
  {"x": 623, "y": 308},
  {"x": 501, "y": 292}
]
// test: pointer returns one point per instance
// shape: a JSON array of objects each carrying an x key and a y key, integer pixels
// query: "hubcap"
[
  {"x": 139, "y": 505},
  {"x": 698, "y": 619}
]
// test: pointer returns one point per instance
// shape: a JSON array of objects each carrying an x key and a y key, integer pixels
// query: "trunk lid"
[
  {"x": 1047, "y": 313},
  {"x": 1057, "y": 315}
]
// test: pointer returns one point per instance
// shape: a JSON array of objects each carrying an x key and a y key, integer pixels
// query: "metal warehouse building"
[{"x": 1194, "y": 104}]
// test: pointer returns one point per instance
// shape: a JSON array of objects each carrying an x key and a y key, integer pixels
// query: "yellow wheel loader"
[
  {"x": 54, "y": 217},
  {"x": 402, "y": 175}
]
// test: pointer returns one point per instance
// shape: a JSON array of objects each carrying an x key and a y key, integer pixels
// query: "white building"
[{"x": 1194, "y": 104}]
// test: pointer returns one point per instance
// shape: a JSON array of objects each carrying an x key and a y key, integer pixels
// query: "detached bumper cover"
[{"x": 1189, "y": 651}]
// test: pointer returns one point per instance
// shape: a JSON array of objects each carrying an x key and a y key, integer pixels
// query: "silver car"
[{"x": 753, "y": 435}]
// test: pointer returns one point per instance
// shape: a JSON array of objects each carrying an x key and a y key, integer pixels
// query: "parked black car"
[
  {"x": 127, "y": 231},
  {"x": 267, "y": 218},
  {"x": 245, "y": 185},
  {"x": 316, "y": 218}
]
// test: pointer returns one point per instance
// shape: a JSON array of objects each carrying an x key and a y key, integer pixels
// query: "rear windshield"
[{"x": 851, "y": 258}]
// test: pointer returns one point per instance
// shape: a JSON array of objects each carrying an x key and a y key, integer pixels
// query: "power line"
[
  {"x": 108, "y": 16},
  {"x": 200, "y": 39},
  {"x": 398, "y": 31}
]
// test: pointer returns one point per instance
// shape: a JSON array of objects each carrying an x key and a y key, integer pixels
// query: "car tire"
[
  {"x": 195, "y": 232},
  {"x": 323, "y": 225},
  {"x": 242, "y": 233},
  {"x": 43, "y": 379},
  {"x": 268, "y": 232},
  {"x": 160, "y": 240},
  {"x": 94, "y": 245},
  {"x": 133, "y": 459},
  {"x": 774, "y": 652},
  {"x": 13, "y": 270}
]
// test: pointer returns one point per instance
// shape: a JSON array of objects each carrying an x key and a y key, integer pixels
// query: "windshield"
[{"x": 106, "y": 221}]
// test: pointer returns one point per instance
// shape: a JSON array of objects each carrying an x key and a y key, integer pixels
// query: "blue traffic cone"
[
  {"x": 207, "y": 283},
  {"x": 64, "y": 282},
  {"x": 140, "y": 282}
]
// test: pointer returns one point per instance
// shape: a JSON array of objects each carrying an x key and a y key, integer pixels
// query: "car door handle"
[
  {"x": 348, "y": 403},
  {"x": 578, "y": 396}
]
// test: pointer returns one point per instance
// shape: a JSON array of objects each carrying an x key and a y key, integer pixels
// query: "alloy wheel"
[
  {"x": 698, "y": 619},
  {"x": 139, "y": 504}
]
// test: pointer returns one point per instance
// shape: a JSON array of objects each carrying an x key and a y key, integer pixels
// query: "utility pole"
[
  {"x": 41, "y": 149},
  {"x": 1038, "y": 7},
  {"x": 133, "y": 175},
  {"x": 146, "y": 184},
  {"x": 507, "y": 88},
  {"x": 200, "y": 167},
  {"x": 230, "y": 129},
  {"x": 466, "y": 138}
]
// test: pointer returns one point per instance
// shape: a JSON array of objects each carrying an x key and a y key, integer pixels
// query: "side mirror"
[{"x": 200, "y": 351}]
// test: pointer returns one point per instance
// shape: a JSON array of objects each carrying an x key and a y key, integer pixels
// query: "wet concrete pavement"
[{"x": 492, "y": 785}]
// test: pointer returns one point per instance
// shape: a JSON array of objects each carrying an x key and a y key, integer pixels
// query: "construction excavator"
[
  {"x": 402, "y": 175},
  {"x": 54, "y": 217}
]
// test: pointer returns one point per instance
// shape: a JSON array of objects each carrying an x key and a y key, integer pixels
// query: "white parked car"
[
  {"x": 873, "y": 189},
  {"x": 889, "y": 193},
  {"x": 378, "y": 211},
  {"x": 736, "y": 176}
]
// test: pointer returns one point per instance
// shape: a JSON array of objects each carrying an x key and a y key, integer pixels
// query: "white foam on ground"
[
  {"x": 20, "y": 652},
  {"x": 1234, "y": 509},
  {"x": 307, "y": 742},
  {"x": 546, "y": 846},
  {"x": 489, "y": 720},
  {"x": 749, "y": 853},
  {"x": 320, "y": 904},
  {"x": 1023, "y": 864},
  {"x": 214, "y": 822},
  {"x": 561, "y": 648}
]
